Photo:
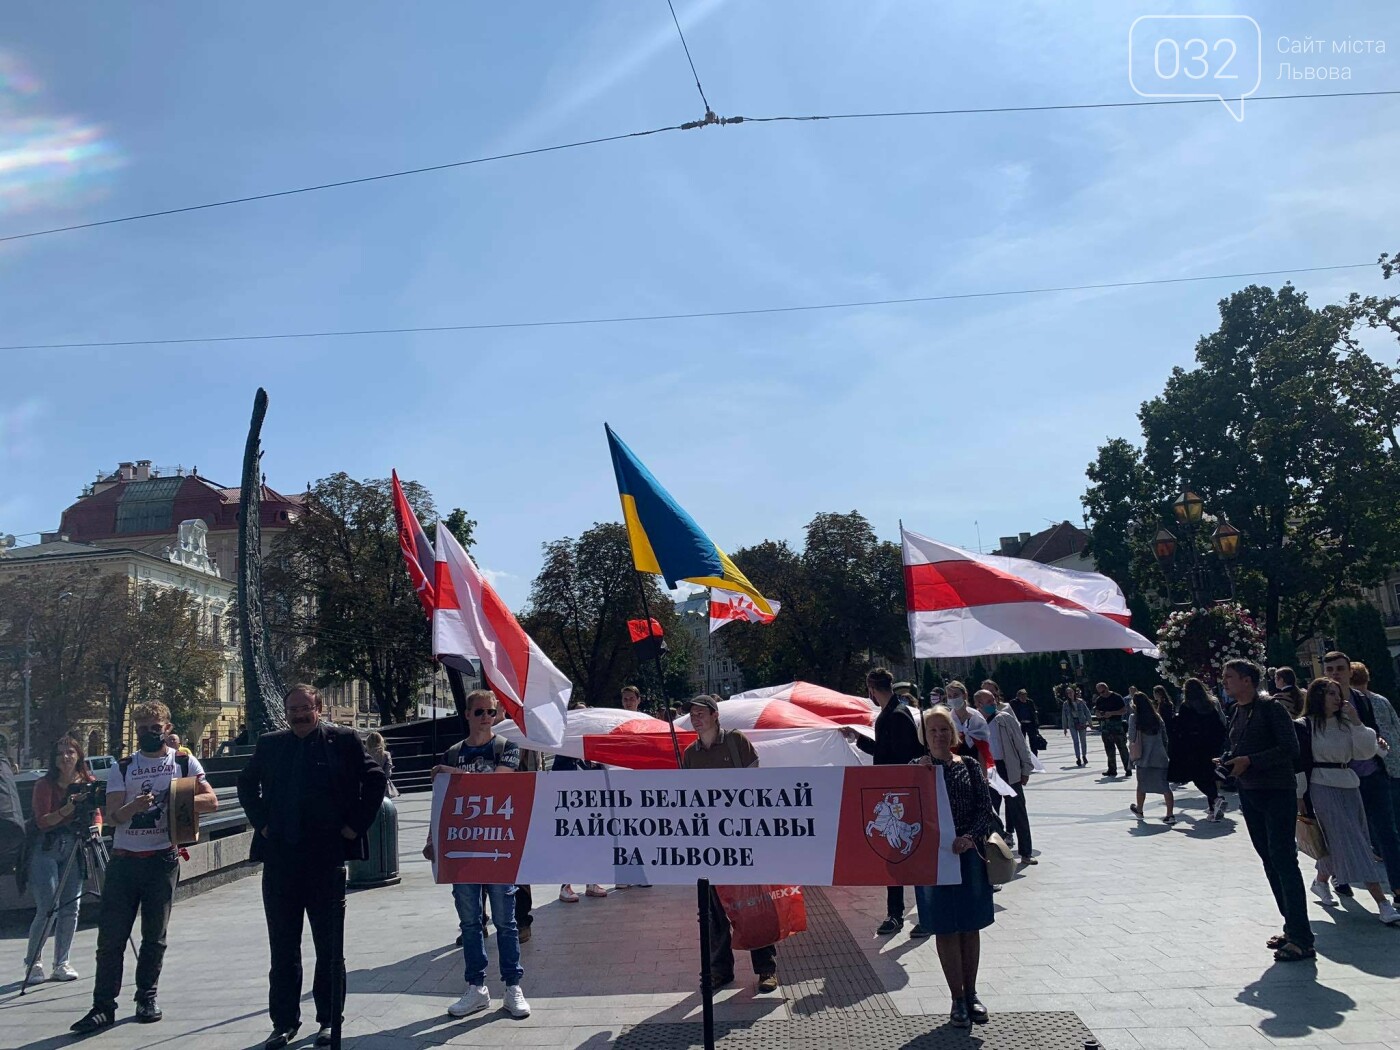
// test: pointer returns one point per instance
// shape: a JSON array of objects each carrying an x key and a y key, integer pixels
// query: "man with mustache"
[{"x": 310, "y": 793}]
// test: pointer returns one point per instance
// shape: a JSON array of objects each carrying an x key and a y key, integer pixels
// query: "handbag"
[
  {"x": 1001, "y": 862},
  {"x": 1311, "y": 838},
  {"x": 1135, "y": 749}
]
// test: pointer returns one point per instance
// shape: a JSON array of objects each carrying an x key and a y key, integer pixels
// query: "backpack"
[{"x": 498, "y": 748}]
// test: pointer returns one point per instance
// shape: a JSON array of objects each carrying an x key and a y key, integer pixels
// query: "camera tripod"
[{"x": 87, "y": 849}]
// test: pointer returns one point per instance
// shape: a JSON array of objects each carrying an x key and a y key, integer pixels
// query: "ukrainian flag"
[{"x": 665, "y": 539}]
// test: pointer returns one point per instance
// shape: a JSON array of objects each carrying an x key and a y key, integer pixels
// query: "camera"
[{"x": 92, "y": 795}]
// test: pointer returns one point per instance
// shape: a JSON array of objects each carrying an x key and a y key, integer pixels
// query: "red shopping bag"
[{"x": 762, "y": 915}]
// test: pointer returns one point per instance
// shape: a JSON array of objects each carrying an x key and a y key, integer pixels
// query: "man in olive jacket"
[{"x": 310, "y": 793}]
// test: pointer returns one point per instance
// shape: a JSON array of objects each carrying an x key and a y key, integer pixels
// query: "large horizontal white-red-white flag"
[
  {"x": 782, "y": 733},
  {"x": 966, "y": 604},
  {"x": 471, "y": 620},
  {"x": 727, "y": 606}
]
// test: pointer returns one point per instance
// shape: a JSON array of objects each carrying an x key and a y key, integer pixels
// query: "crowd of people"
[{"x": 1309, "y": 765}]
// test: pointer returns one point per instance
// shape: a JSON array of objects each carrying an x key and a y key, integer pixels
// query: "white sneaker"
[
  {"x": 515, "y": 1003},
  {"x": 36, "y": 974},
  {"x": 1389, "y": 915},
  {"x": 1323, "y": 892},
  {"x": 567, "y": 894},
  {"x": 64, "y": 972},
  {"x": 594, "y": 890},
  {"x": 475, "y": 999}
]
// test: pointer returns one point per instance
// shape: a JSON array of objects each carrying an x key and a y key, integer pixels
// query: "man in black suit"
[{"x": 310, "y": 794}]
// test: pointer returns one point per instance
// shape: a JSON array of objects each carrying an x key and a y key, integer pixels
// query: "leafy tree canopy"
[{"x": 1286, "y": 427}]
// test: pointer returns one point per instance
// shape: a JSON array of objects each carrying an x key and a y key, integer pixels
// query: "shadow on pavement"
[{"x": 1298, "y": 1003}]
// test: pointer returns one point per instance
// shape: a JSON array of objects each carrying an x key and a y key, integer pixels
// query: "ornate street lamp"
[
  {"x": 1164, "y": 548},
  {"x": 1188, "y": 508},
  {"x": 1226, "y": 540}
]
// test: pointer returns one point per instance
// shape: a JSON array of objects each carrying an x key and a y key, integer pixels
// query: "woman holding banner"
[{"x": 957, "y": 914}]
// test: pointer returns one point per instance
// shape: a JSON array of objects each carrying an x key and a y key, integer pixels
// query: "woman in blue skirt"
[{"x": 956, "y": 915}]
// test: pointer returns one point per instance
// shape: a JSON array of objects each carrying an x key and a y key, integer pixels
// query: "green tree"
[
  {"x": 340, "y": 595},
  {"x": 930, "y": 680},
  {"x": 97, "y": 644},
  {"x": 50, "y": 623},
  {"x": 975, "y": 676},
  {"x": 580, "y": 603},
  {"x": 842, "y": 606},
  {"x": 1286, "y": 427},
  {"x": 461, "y": 526},
  {"x": 1360, "y": 633},
  {"x": 155, "y": 645}
]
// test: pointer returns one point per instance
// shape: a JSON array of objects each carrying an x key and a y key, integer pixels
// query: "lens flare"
[{"x": 46, "y": 160}]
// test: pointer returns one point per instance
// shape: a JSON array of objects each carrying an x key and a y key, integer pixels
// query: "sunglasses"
[{"x": 484, "y": 711}]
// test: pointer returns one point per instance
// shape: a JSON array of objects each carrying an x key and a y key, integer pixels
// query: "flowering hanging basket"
[{"x": 1197, "y": 642}]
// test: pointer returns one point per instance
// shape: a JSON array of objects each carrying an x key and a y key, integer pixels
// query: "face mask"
[
  {"x": 957, "y": 703},
  {"x": 990, "y": 710},
  {"x": 150, "y": 741}
]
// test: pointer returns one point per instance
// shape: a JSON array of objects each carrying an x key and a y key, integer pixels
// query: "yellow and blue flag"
[{"x": 665, "y": 539}]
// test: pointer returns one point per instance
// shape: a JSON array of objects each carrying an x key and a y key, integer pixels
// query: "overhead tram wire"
[
  {"x": 690, "y": 316},
  {"x": 710, "y": 119},
  {"x": 342, "y": 183},
  {"x": 709, "y": 113}
]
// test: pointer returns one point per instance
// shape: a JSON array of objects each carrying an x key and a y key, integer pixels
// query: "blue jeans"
[
  {"x": 45, "y": 867},
  {"x": 467, "y": 896},
  {"x": 1080, "y": 736}
]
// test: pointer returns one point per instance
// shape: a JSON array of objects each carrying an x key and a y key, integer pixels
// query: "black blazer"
[{"x": 357, "y": 782}]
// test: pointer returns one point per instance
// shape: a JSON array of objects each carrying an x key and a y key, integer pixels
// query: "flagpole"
[{"x": 660, "y": 675}]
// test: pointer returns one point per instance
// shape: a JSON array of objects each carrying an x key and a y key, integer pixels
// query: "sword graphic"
[{"x": 493, "y": 855}]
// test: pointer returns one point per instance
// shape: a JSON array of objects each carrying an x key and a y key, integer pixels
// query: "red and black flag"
[{"x": 648, "y": 639}]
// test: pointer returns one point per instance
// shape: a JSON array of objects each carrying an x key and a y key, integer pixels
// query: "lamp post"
[{"x": 1189, "y": 510}]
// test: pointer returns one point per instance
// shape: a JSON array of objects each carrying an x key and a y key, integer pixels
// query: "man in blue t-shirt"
[{"x": 484, "y": 752}]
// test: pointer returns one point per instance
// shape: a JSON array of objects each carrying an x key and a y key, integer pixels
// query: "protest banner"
[{"x": 817, "y": 826}]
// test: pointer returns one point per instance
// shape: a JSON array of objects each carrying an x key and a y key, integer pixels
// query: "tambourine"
[{"x": 184, "y": 821}]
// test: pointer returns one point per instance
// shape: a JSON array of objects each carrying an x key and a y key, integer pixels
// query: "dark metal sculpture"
[{"x": 262, "y": 688}]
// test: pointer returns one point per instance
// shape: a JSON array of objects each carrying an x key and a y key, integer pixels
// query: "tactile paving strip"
[
  {"x": 824, "y": 971},
  {"x": 1012, "y": 1031}
]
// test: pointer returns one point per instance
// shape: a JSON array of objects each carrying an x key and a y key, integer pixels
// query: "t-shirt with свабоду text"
[{"x": 148, "y": 832}]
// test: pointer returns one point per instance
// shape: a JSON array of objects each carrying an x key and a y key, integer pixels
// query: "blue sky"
[{"x": 945, "y": 414}]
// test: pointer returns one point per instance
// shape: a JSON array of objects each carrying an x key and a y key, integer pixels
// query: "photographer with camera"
[
  {"x": 65, "y": 805},
  {"x": 144, "y": 868}
]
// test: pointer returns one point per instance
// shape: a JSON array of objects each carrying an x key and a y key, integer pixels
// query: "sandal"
[
  {"x": 1290, "y": 952},
  {"x": 1275, "y": 942}
]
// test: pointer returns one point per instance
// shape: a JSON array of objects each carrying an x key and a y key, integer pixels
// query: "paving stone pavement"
[{"x": 1148, "y": 935}]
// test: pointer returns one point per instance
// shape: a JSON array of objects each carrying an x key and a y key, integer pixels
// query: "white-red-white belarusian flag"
[
  {"x": 782, "y": 733},
  {"x": 966, "y": 604},
  {"x": 471, "y": 620},
  {"x": 729, "y": 605}
]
